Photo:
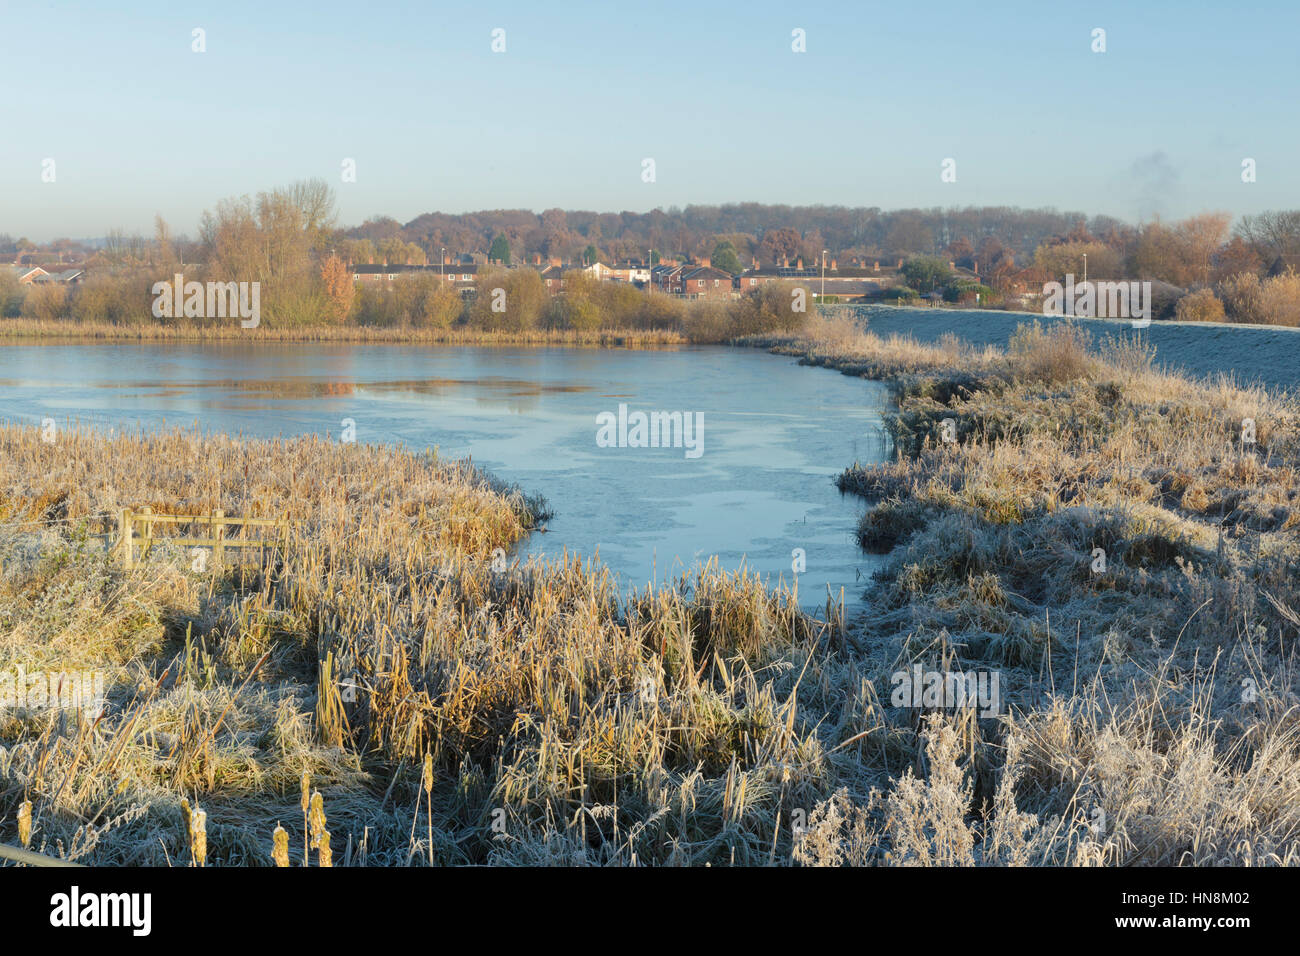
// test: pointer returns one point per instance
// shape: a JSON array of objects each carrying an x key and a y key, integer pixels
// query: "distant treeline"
[
  {"x": 770, "y": 234},
  {"x": 287, "y": 239}
]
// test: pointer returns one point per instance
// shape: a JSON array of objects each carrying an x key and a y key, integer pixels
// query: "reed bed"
[
  {"x": 1122, "y": 546},
  {"x": 442, "y": 708},
  {"x": 388, "y": 691},
  {"x": 182, "y": 331}
]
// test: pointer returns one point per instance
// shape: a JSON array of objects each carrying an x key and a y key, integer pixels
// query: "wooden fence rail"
[
  {"x": 19, "y": 855},
  {"x": 217, "y": 521}
]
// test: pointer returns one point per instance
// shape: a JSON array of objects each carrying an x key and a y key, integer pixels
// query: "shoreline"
[
  {"x": 1054, "y": 517},
  {"x": 35, "y": 331},
  {"x": 1026, "y": 316},
  {"x": 24, "y": 331}
]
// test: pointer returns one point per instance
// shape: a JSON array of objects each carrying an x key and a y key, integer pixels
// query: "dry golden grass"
[
  {"x": 439, "y": 711},
  {"x": 557, "y": 721},
  {"x": 1153, "y": 714},
  {"x": 48, "y": 329}
]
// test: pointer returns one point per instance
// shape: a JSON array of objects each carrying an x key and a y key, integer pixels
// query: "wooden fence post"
[
  {"x": 219, "y": 534},
  {"x": 124, "y": 536},
  {"x": 147, "y": 543}
]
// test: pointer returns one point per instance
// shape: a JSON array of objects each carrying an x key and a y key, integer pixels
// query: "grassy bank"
[
  {"x": 447, "y": 712},
  {"x": 38, "y": 330},
  {"x": 1099, "y": 534}
]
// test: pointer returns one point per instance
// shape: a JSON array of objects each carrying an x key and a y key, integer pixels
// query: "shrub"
[
  {"x": 708, "y": 321},
  {"x": 660, "y": 312},
  {"x": 900, "y": 293},
  {"x": 1279, "y": 300},
  {"x": 967, "y": 292},
  {"x": 926, "y": 273},
  {"x": 770, "y": 308},
  {"x": 46, "y": 302},
  {"x": 11, "y": 296},
  {"x": 117, "y": 298},
  {"x": 1058, "y": 353},
  {"x": 1274, "y": 301},
  {"x": 435, "y": 303},
  {"x": 1200, "y": 306},
  {"x": 524, "y": 298}
]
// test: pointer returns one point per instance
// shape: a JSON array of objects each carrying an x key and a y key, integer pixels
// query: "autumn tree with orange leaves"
[{"x": 338, "y": 287}]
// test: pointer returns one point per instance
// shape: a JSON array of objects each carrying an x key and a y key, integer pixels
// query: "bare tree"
[{"x": 1272, "y": 233}]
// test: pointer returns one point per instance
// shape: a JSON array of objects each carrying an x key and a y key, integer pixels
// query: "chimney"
[
  {"x": 798, "y": 264},
  {"x": 555, "y": 262},
  {"x": 951, "y": 264},
  {"x": 785, "y": 262},
  {"x": 705, "y": 261},
  {"x": 446, "y": 260},
  {"x": 537, "y": 258},
  {"x": 833, "y": 268}
]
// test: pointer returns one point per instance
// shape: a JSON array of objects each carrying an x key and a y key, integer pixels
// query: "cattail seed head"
[
  {"x": 427, "y": 778},
  {"x": 199, "y": 836},
  {"x": 326, "y": 857},
  {"x": 306, "y": 790},
  {"x": 280, "y": 846},
  {"x": 25, "y": 823},
  {"x": 317, "y": 818}
]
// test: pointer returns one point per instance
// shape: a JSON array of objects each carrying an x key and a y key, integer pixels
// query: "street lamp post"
[
  {"x": 1085, "y": 268},
  {"x": 442, "y": 263},
  {"x": 823, "y": 277}
]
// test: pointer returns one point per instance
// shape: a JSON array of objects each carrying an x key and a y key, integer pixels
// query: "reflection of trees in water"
[
  {"x": 516, "y": 395},
  {"x": 517, "y": 392},
  {"x": 516, "y": 402},
  {"x": 288, "y": 389}
]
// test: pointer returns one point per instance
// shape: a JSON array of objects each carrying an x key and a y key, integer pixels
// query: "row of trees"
[
  {"x": 1215, "y": 272},
  {"x": 288, "y": 240},
  {"x": 1192, "y": 252},
  {"x": 516, "y": 300},
  {"x": 736, "y": 235},
  {"x": 768, "y": 233}
]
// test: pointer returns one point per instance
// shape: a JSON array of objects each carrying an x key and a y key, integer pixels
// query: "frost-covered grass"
[{"x": 448, "y": 712}]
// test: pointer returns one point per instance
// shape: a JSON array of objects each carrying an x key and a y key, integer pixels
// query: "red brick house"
[
  {"x": 552, "y": 275},
  {"x": 706, "y": 282},
  {"x": 667, "y": 278}
]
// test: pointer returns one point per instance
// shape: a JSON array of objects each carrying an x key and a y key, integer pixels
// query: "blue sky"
[{"x": 138, "y": 124}]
